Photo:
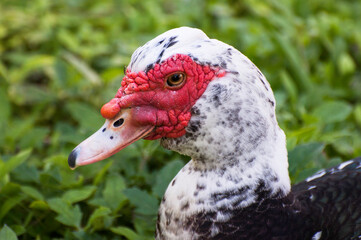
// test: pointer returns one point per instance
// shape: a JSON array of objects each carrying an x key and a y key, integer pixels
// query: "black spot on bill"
[{"x": 72, "y": 158}]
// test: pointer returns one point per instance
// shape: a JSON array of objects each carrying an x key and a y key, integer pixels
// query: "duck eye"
[{"x": 175, "y": 80}]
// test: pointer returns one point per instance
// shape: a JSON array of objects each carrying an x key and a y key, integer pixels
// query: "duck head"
[{"x": 202, "y": 98}]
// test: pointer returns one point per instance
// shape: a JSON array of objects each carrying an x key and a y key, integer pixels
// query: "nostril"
[{"x": 119, "y": 122}]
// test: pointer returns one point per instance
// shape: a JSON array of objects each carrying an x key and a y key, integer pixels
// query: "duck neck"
[
  {"x": 223, "y": 180},
  {"x": 232, "y": 181}
]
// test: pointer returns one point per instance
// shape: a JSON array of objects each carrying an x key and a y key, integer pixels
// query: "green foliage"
[
  {"x": 61, "y": 60},
  {"x": 7, "y": 233}
]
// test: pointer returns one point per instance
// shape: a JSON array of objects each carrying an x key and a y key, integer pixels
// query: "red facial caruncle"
[{"x": 156, "y": 100}]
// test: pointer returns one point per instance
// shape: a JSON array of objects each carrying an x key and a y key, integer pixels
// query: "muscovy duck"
[{"x": 205, "y": 99}]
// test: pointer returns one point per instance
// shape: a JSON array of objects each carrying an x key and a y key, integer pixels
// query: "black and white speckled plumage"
[
  {"x": 237, "y": 186},
  {"x": 324, "y": 208}
]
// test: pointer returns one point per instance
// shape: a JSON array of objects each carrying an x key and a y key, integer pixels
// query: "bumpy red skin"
[{"x": 154, "y": 103}]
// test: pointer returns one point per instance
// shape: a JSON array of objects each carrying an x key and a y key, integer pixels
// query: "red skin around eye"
[{"x": 153, "y": 103}]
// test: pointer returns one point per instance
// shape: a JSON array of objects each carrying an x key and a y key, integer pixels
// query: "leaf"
[
  {"x": 100, "y": 175},
  {"x": 126, "y": 232},
  {"x": 289, "y": 85},
  {"x": 145, "y": 204},
  {"x": 82, "y": 235},
  {"x": 304, "y": 153},
  {"x": 32, "y": 64},
  {"x": 346, "y": 64},
  {"x": 3, "y": 71},
  {"x": 83, "y": 68},
  {"x": 18, "y": 229},
  {"x": 34, "y": 138},
  {"x": 165, "y": 176},
  {"x": 67, "y": 214},
  {"x": 67, "y": 133},
  {"x": 98, "y": 201},
  {"x": 112, "y": 193},
  {"x": 40, "y": 205},
  {"x": 19, "y": 127},
  {"x": 24, "y": 94},
  {"x": 144, "y": 224},
  {"x": 71, "y": 220},
  {"x": 76, "y": 195},
  {"x": 333, "y": 111},
  {"x": 7, "y": 233},
  {"x": 97, "y": 214},
  {"x": 343, "y": 146},
  {"x": 304, "y": 156},
  {"x": 10, "y": 203},
  {"x": 67, "y": 39},
  {"x": 5, "y": 106},
  {"x": 50, "y": 178},
  {"x": 295, "y": 61},
  {"x": 26, "y": 173},
  {"x": 87, "y": 117},
  {"x": 32, "y": 192},
  {"x": 61, "y": 73},
  {"x": 13, "y": 162},
  {"x": 57, "y": 160},
  {"x": 357, "y": 114}
]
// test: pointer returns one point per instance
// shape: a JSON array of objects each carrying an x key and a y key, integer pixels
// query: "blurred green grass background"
[{"x": 61, "y": 60}]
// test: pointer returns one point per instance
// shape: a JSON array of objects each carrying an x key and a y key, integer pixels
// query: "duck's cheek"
[{"x": 168, "y": 123}]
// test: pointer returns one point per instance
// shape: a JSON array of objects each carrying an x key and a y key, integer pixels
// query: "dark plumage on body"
[
  {"x": 323, "y": 208},
  {"x": 204, "y": 99}
]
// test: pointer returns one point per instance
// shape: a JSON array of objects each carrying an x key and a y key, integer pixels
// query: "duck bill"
[{"x": 113, "y": 136}]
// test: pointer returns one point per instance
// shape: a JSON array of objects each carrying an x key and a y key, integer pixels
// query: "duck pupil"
[
  {"x": 175, "y": 79},
  {"x": 118, "y": 123}
]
